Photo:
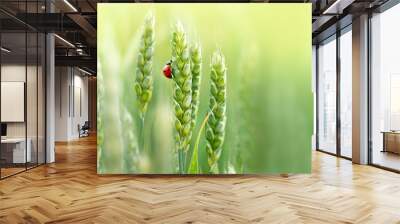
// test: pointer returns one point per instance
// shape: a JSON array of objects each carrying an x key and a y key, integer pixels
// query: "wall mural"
[{"x": 204, "y": 88}]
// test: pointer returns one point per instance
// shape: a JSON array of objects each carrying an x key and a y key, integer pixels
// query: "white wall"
[
  {"x": 71, "y": 94},
  {"x": 81, "y": 94},
  {"x": 12, "y": 73},
  {"x": 62, "y": 82},
  {"x": 9, "y": 73},
  {"x": 13, "y": 101}
]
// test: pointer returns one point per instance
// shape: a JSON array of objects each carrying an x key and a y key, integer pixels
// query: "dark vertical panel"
[
  {"x": 37, "y": 91},
  {"x": 60, "y": 88},
  {"x": 45, "y": 95},
  {"x": 69, "y": 95},
  {"x": 26, "y": 80},
  {"x": 317, "y": 96},
  {"x": 338, "y": 81},
  {"x": 369, "y": 55},
  {"x": 1, "y": 164},
  {"x": 45, "y": 88},
  {"x": 73, "y": 91}
]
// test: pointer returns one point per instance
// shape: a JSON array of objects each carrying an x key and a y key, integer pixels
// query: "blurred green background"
[{"x": 269, "y": 100}]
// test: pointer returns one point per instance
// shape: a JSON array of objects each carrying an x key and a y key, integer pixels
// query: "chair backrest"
[{"x": 86, "y": 124}]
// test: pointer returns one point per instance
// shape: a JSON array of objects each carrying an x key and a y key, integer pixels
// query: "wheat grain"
[
  {"x": 182, "y": 93},
  {"x": 195, "y": 67},
  {"x": 144, "y": 80},
  {"x": 215, "y": 130}
]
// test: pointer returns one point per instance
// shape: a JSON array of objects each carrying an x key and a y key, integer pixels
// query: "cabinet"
[{"x": 391, "y": 142}]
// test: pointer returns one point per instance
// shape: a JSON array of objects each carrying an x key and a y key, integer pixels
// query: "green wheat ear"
[
  {"x": 182, "y": 92},
  {"x": 195, "y": 66},
  {"x": 215, "y": 129},
  {"x": 144, "y": 80}
]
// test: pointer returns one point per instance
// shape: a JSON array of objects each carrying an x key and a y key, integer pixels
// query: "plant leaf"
[{"x": 194, "y": 162}]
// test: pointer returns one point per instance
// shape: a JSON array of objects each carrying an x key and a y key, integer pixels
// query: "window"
[
  {"x": 385, "y": 89},
  {"x": 327, "y": 96},
  {"x": 346, "y": 92}
]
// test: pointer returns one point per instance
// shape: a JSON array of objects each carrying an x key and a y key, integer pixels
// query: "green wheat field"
[{"x": 204, "y": 88}]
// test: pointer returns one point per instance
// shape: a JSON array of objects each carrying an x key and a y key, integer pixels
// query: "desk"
[
  {"x": 15, "y": 148},
  {"x": 391, "y": 141}
]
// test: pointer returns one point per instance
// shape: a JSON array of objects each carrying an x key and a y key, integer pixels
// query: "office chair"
[{"x": 84, "y": 130}]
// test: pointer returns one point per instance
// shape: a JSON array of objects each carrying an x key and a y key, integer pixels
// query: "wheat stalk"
[
  {"x": 144, "y": 80},
  {"x": 195, "y": 66},
  {"x": 182, "y": 93},
  {"x": 215, "y": 130}
]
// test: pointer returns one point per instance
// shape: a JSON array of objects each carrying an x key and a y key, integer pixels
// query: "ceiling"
[{"x": 75, "y": 22}]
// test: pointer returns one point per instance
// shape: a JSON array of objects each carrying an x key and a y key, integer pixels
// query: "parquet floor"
[
  {"x": 10, "y": 171},
  {"x": 70, "y": 191}
]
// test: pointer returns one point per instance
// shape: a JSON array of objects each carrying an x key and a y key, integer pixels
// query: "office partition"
[{"x": 22, "y": 77}]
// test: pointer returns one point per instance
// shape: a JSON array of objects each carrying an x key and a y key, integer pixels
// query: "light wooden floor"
[
  {"x": 387, "y": 159},
  {"x": 70, "y": 191},
  {"x": 10, "y": 171}
]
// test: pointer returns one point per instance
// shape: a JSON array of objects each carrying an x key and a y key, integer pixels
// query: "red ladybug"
[{"x": 167, "y": 70}]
